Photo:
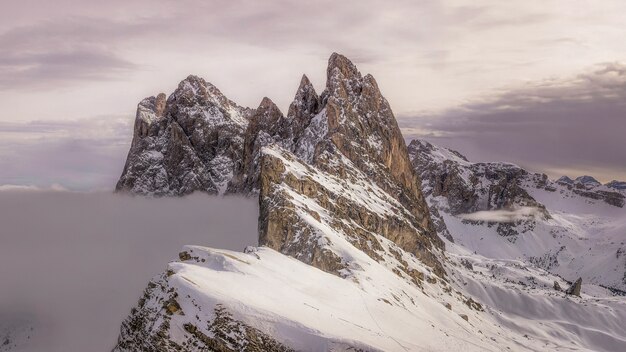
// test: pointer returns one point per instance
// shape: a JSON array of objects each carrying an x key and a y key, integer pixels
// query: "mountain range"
[{"x": 365, "y": 243}]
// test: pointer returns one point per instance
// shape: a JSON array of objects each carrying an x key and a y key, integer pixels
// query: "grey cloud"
[
  {"x": 503, "y": 215},
  {"x": 68, "y": 257},
  {"x": 80, "y": 46},
  {"x": 83, "y": 154},
  {"x": 576, "y": 123},
  {"x": 40, "y": 70},
  {"x": 66, "y": 50}
]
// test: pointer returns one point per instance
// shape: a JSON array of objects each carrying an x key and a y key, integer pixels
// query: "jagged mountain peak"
[
  {"x": 305, "y": 103},
  {"x": 196, "y": 86},
  {"x": 587, "y": 180},
  {"x": 343, "y": 79},
  {"x": 343, "y": 65},
  {"x": 194, "y": 91},
  {"x": 349, "y": 133},
  {"x": 565, "y": 180},
  {"x": 305, "y": 83},
  {"x": 188, "y": 142},
  {"x": 267, "y": 106}
]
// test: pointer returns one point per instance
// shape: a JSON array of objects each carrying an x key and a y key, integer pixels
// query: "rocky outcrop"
[
  {"x": 574, "y": 289},
  {"x": 191, "y": 141},
  {"x": 470, "y": 187},
  {"x": 267, "y": 126},
  {"x": 613, "y": 198}
]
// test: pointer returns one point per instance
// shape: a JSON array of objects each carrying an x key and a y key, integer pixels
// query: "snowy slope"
[
  {"x": 573, "y": 233},
  {"x": 306, "y": 309},
  {"x": 521, "y": 298}
]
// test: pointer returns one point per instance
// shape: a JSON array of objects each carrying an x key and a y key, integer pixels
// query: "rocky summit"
[
  {"x": 190, "y": 141},
  {"x": 333, "y": 176},
  {"x": 365, "y": 244}
]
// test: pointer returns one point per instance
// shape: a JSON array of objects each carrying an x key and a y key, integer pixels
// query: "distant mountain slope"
[{"x": 571, "y": 227}]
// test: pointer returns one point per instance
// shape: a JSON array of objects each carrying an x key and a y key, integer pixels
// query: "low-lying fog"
[{"x": 72, "y": 265}]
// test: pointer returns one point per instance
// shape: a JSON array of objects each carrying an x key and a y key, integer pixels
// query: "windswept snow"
[{"x": 311, "y": 310}]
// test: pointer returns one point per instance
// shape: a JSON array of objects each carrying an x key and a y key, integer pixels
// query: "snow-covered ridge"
[
  {"x": 584, "y": 220},
  {"x": 279, "y": 303}
]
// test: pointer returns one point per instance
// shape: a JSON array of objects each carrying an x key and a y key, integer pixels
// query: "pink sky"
[{"x": 72, "y": 72}]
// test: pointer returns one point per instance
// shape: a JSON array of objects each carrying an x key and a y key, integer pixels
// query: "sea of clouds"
[{"x": 72, "y": 265}]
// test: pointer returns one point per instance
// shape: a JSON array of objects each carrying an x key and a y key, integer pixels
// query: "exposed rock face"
[
  {"x": 201, "y": 141},
  {"x": 267, "y": 126},
  {"x": 303, "y": 208},
  {"x": 574, "y": 289},
  {"x": 471, "y": 187},
  {"x": 190, "y": 142},
  {"x": 352, "y": 140},
  {"x": 362, "y": 126}
]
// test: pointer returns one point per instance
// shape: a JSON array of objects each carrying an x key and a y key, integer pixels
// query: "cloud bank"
[
  {"x": 503, "y": 215},
  {"x": 80, "y": 155},
  {"x": 72, "y": 265},
  {"x": 574, "y": 125}
]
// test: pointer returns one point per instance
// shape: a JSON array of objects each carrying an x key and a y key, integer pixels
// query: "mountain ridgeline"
[
  {"x": 199, "y": 140},
  {"x": 353, "y": 227},
  {"x": 333, "y": 176}
]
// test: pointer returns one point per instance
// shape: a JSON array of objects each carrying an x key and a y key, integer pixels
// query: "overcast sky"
[{"x": 539, "y": 83}]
